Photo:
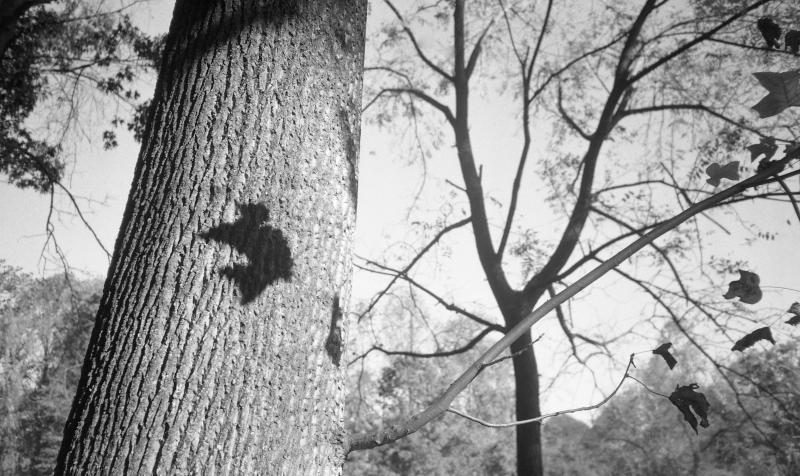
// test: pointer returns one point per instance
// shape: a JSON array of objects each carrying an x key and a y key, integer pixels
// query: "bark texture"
[
  {"x": 529, "y": 436},
  {"x": 218, "y": 340}
]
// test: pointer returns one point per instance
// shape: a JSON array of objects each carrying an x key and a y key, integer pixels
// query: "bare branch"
[
  {"x": 476, "y": 50},
  {"x": 557, "y": 73},
  {"x": 540, "y": 39},
  {"x": 411, "y": 264},
  {"x": 83, "y": 219},
  {"x": 789, "y": 194},
  {"x": 571, "y": 122},
  {"x": 427, "y": 355},
  {"x": 417, "y": 93},
  {"x": 447, "y": 305},
  {"x": 686, "y": 46},
  {"x": 490, "y": 262},
  {"x": 580, "y": 212},
  {"x": 691, "y": 107},
  {"x": 413, "y": 39},
  {"x": 548, "y": 415},
  {"x": 751, "y": 47}
]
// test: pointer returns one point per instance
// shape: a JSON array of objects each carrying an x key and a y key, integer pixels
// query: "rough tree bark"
[
  {"x": 218, "y": 340},
  {"x": 526, "y": 381}
]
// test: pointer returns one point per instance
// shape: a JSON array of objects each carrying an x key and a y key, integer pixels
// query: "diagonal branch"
[
  {"x": 563, "y": 322},
  {"x": 790, "y": 194},
  {"x": 387, "y": 271},
  {"x": 692, "y": 107},
  {"x": 419, "y": 94},
  {"x": 426, "y": 355},
  {"x": 476, "y": 50},
  {"x": 540, "y": 39},
  {"x": 688, "y": 45},
  {"x": 411, "y": 264},
  {"x": 571, "y": 122},
  {"x": 413, "y": 39},
  {"x": 490, "y": 263},
  {"x": 557, "y": 73}
]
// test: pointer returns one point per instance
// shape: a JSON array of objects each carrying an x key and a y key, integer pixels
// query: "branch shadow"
[{"x": 268, "y": 255}]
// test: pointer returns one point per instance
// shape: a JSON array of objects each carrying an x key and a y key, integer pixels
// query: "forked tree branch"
[
  {"x": 417, "y": 48},
  {"x": 580, "y": 212}
]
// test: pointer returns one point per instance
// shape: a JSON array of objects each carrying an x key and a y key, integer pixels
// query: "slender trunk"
[
  {"x": 217, "y": 344},
  {"x": 529, "y": 436}
]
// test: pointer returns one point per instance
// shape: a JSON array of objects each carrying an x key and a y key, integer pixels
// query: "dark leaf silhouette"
[
  {"x": 663, "y": 351},
  {"x": 687, "y": 400},
  {"x": 747, "y": 341},
  {"x": 792, "y": 41},
  {"x": 793, "y": 151},
  {"x": 745, "y": 288},
  {"x": 794, "y": 309},
  {"x": 766, "y": 147},
  {"x": 718, "y": 172},
  {"x": 265, "y": 247},
  {"x": 784, "y": 91},
  {"x": 770, "y": 30}
]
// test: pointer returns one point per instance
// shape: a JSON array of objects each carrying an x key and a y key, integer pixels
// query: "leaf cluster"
[{"x": 56, "y": 50}]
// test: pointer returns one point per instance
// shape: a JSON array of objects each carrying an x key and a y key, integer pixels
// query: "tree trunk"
[
  {"x": 529, "y": 436},
  {"x": 218, "y": 340}
]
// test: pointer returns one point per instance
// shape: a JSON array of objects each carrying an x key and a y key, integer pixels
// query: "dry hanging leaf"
[
  {"x": 784, "y": 91},
  {"x": 728, "y": 171},
  {"x": 794, "y": 309},
  {"x": 745, "y": 288},
  {"x": 770, "y": 31},
  {"x": 766, "y": 146},
  {"x": 663, "y": 351},
  {"x": 750, "y": 339},
  {"x": 686, "y": 399}
]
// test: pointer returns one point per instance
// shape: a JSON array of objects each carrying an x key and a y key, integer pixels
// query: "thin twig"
[
  {"x": 411, "y": 263},
  {"x": 791, "y": 197},
  {"x": 547, "y": 415}
]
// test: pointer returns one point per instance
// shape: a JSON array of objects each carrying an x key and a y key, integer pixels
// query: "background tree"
[
  {"x": 45, "y": 328},
  {"x": 217, "y": 343},
  {"x": 613, "y": 76},
  {"x": 636, "y": 433},
  {"x": 62, "y": 65}
]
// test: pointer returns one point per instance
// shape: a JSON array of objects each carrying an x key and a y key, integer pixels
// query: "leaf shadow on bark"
[{"x": 265, "y": 247}]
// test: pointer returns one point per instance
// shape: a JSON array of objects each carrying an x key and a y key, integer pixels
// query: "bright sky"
[{"x": 387, "y": 187}]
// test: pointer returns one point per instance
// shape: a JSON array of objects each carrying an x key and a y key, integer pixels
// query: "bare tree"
[{"x": 628, "y": 61}]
